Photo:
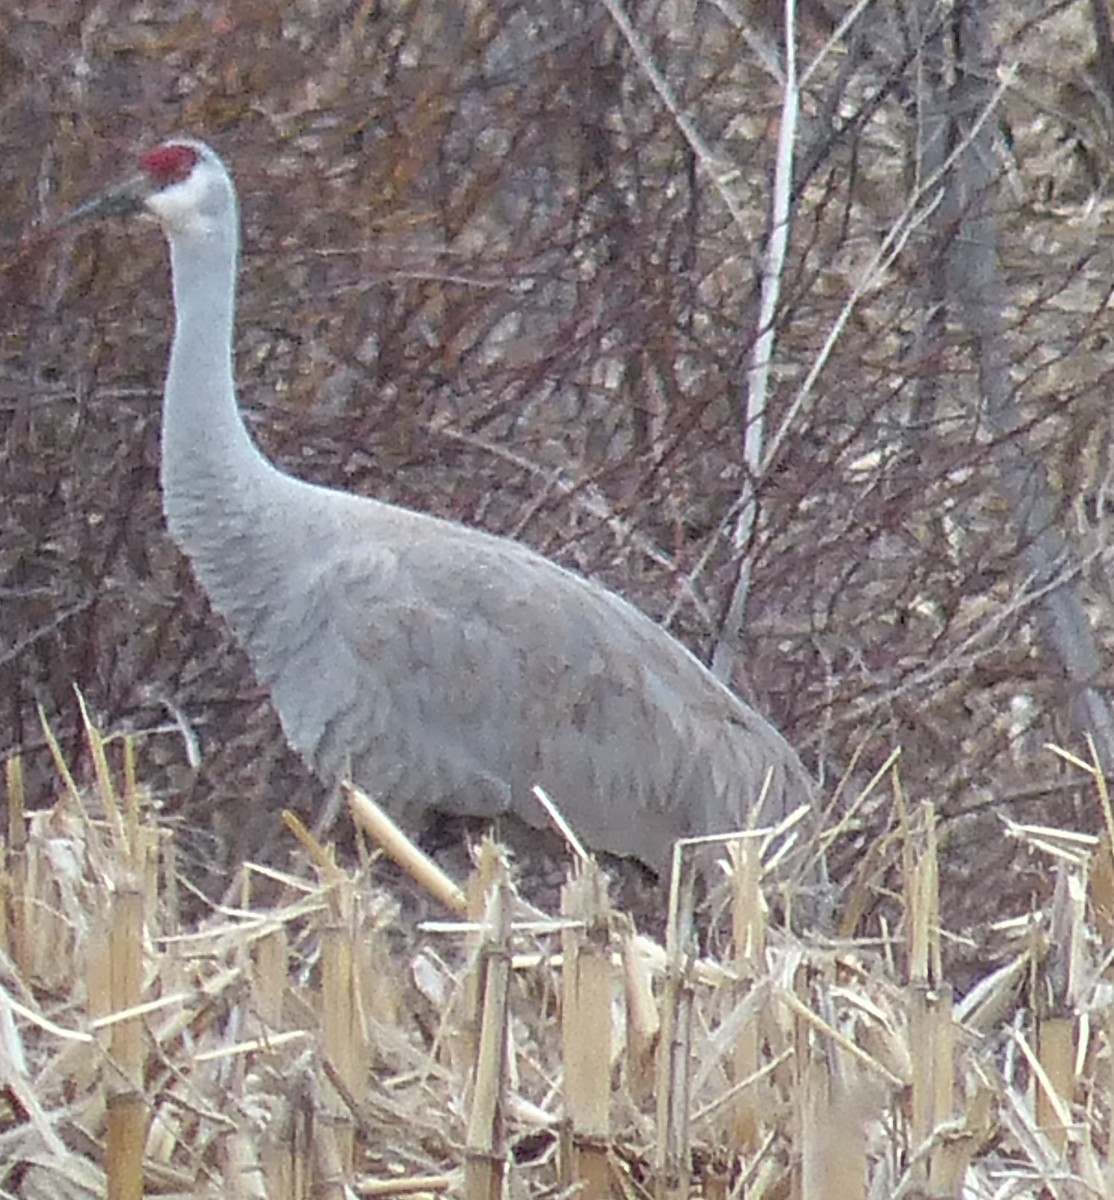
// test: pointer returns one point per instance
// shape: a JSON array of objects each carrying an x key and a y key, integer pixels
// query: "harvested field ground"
[{"x": 314, "y": 1045}]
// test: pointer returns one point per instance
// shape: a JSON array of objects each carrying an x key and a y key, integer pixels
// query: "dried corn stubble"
[{"x": 286, "y": 1048}]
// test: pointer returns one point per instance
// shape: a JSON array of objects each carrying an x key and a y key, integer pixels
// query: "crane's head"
[{"x": 181, "y": 183}]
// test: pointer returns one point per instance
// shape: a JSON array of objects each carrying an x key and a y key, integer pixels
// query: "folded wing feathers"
[{"x": 452, "y": 669}]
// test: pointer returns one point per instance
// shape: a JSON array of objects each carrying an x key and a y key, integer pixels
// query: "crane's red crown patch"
[{"x": 169, "y": 163}]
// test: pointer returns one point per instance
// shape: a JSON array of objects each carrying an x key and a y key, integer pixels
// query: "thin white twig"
[
  {"x": 921, "y": 205},
  {"x": 711, "y": 165},
  {"x": 834, "y": 40},
  {"x": 762, "y": 353}
]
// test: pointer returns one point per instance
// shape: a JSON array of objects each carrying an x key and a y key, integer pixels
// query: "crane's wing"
[{"x": 451, "y": 669}]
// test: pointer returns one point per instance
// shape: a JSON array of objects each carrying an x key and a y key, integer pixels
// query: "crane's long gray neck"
[
  {"x": 219, "y": 492},
  {"x": 206, "y": 448}
]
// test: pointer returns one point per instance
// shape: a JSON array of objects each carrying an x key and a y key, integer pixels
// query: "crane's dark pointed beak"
[{"x": 125, "y": 200}]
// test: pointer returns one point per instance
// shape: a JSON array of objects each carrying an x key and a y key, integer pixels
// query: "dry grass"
[{"x": 309, "y": 1046}]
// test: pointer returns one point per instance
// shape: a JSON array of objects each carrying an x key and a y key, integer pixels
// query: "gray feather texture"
[{"x": 445, "y": 667}]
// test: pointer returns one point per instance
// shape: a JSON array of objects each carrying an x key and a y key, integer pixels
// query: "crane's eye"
[{"x": 169, "y": 164}]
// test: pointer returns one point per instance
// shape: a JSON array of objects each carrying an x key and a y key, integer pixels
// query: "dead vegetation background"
[
  {"x": 489, "y": 272},
  {"x": 508, "y": 263}
]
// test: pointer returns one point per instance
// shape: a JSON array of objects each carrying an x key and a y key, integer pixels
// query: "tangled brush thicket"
[{"x": 489, "y": 273}]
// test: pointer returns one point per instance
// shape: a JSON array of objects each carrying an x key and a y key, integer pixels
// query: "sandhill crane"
[{"x": 442, "y": 666}]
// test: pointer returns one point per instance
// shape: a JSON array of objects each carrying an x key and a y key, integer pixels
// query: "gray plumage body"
[{"x": 445, "y": 667}]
